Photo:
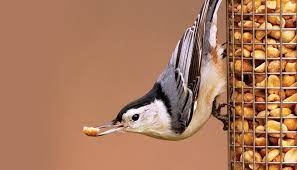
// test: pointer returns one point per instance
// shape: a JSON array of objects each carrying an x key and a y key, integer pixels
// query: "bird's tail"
[
  {"x": 208, "y": 24},
  {"x": 213, "y": 10},
  {"x": 195, "y": 45}
]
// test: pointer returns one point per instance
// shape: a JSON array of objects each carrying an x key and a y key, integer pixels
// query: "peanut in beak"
[
  {"x": 94, "y": 131},
  {"x": 90, "y": 131}
]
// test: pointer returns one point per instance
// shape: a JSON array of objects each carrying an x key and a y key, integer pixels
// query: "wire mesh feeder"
[{"x": 262, "y": 84}]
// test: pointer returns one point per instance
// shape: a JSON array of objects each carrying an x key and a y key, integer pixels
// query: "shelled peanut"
[{"x": 263, "y": 77}]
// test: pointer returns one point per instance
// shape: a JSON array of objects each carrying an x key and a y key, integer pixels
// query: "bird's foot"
[
  {"x": 216, "y": 112},
  {"x": 225, "y": 43}
]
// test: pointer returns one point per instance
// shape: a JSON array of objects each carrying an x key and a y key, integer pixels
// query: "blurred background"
[{"x": 69, "y": 63}]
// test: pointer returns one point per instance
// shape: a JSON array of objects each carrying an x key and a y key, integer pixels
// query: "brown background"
[{"x": 69, "y": 63}]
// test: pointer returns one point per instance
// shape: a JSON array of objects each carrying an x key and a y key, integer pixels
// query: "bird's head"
[
  {"x": 147, "y": 115},
  {"x": 150, "y": 119}
]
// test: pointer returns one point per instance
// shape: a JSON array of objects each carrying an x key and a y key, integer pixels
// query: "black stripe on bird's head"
[{"x": 151, "y": 96}]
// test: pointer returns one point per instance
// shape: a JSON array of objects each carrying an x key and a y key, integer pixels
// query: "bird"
[{"x": 184, "y": 96}]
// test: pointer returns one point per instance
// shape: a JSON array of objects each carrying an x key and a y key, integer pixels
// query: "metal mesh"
[{"x": 262, "y": 84}]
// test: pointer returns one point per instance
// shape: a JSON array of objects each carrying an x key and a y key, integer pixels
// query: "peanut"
[
  {"x": 288, "y": 36},
  {"x": 246, "y": 53},
  {"x": 271, "y": 4},
  {"x": 291, "y": 155},
  {"x": 274, "y": 126},
  {"x": 291, "y": 54},
  {"x": 90, "y": 131},
  {"x": 276, "y": 32},
  {"x": 275, "y": 66},
  {"x": 246, "y": 111},
  {"x": 258, "y": 54},
  {"x": 248, "y": 156},
  {"x": 292, "y": 98},
  {"x": 290, "y": 7},
  {"x": 294, "y": 40},
  {"x": 260, "y": 34},
  {"x": 256, "y": 4},
  {"x": 242, "y": 9},
  {"x": 288, "y": 168},
  {"x": 274, "y": 167},
  {"x": 247, "y": 97},
  {"x": 291, "y": 67},
  {"x": 244, "y": 66},
  {"x": 278, "y": 112},
  {"x": 260, "y": 107},
  {"x": 271, "y": 155},
  {"x": 260, "y": 68},
  {"x": 288, "y": 80},
  {"x": 240, "y": 125},
  {"x": 261, "y": 118},
  {"x": 247, "y": 37},
  {"x": 272, "y": 52},
  {"x": 273, "y": 81},
  {"x": 247, "y": 138},
  {"x": 291, "y": 123},
  {"x": 239, "y": 84},
  {"x": 248, "y": 24},
  {"x": 285, "y": 143},
  {"x": 260, "y": 141}
]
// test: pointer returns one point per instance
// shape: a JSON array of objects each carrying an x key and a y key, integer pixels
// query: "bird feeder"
[{"x": 262, "y": 84}]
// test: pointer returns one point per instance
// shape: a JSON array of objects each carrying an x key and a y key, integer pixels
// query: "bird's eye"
[{"x": 135, "y": 117}]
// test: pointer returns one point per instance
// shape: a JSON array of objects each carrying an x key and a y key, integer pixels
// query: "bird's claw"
[{"x": 216, "y": 112}]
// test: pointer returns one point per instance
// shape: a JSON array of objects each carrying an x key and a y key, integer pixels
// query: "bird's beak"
[
  {"x": 111, "y": 128},
  {"x": 108, "y": 127}
]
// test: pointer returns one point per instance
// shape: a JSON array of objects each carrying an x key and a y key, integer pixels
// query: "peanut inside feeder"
[{"x": 262, "y": 87}]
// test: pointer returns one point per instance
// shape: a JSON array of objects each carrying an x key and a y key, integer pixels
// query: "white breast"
[{"x": 212, "y": 84}]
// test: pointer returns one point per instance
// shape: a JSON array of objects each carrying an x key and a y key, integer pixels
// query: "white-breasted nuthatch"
[{"x": 182, "y": 99}]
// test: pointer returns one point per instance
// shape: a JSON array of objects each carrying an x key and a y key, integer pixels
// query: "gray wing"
[
  {"x": 181, "y": 80},
  {"x": 188, "y": 54}
]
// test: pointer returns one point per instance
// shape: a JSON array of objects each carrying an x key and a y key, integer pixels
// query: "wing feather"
[
  {"x": 181, "y": 79},
  {"x": 187, "y": 57}
]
